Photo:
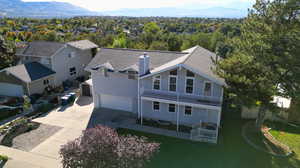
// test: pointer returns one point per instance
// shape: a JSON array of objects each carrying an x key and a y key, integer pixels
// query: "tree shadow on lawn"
[{"x": 231, "y": 151}]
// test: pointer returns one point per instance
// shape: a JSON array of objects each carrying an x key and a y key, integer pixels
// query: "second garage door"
[{"x": 116, "y": 102}]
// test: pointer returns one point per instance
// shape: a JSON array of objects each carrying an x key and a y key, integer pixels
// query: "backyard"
[{"x": 231, "y": 152}]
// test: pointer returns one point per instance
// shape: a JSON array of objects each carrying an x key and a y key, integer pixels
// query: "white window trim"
[
  {"x": 186, "y": 114},
  {"x": 211, "y": 90},
  {"x": 154, "y": 110},
  {"x": 169, "y": 83},
  {"x": 186, "y": 78},
  {"x": 169, "y": 109},
  {"x": 153, "y": 79}
]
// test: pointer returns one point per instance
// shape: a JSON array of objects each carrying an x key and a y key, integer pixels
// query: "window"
[
  {"x": 105, "y": 72},
  {"x": 189, "y": 83},
  {"x": 72, "y": 55},
  {"x": 173, "y": 81},
  {"x": 72, "y": 71},
  {"x": 156, "y": 82},
  {"x": 190, "y": 74},
  {"x": 174, "y": 72},
  {"x": 46, "y": 82},
  {"x": 156, "y": 106},
  {"x": 207, "y": 89},
  {"x": 172, "y": 108},
  {"x": 189, "y": 86},
  {"x": 188, "y": 110},
  {"x": 132, "y": 75}
]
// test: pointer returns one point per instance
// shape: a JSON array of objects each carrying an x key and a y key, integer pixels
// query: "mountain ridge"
[{"x": 18, "y": 8}]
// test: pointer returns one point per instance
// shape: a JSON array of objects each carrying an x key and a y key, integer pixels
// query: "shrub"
[
  {"x": 4, "y": 158},
  {"x": 41, "y": 109},
  {"x": 103, "y": 147},
  {"x": 5, "y": 113}
]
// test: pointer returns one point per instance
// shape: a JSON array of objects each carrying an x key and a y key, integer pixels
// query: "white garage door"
[
  {"x": 116, "y": 102},
  {"x": 7, "y": 89}
]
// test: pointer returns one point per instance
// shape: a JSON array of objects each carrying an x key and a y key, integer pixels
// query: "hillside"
[{"x": 18, "y": 8}]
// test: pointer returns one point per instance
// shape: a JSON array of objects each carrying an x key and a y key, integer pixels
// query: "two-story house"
[
  {"x": 179, "y": 87},
  {"x": 68, "y": 60}
]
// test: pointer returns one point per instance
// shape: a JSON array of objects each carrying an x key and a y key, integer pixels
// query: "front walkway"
[{"x": 72, "y": 119}]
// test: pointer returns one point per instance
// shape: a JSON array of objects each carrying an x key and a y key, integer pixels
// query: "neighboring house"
[
  {"x": 281, "y": 102},
  {"x": 29, "y": 78},
  {"x": 67, "y": 59},
  {"x": 179, "y": 87}
]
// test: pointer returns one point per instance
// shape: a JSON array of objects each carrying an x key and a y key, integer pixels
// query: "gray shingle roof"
[
  {"x": 41, "y": 48},
  {"x": 201, "y": 60},
  {"x": 48, "y": 48},
  {"x": 30, "y": 72},
  {"x": 121, "y": 59},
  {"x": 197, "y": 58},
  {"x": 83, "y": 44}
]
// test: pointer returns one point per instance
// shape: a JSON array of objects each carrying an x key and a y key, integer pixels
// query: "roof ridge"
[
  {"x": 132, "y": 49},
  {"x": 191, "y": 53}
]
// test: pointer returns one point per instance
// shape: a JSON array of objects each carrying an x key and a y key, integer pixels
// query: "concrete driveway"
[{"x": 73, "y": 120}]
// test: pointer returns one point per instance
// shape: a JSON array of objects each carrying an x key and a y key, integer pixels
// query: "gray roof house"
[
  {"x": 176, "y": 87},
  {"x": 29, "y": 78},
  {"x": 69, "y": 59}
]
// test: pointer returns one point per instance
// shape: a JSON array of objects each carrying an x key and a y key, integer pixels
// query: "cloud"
[{"x": 102, "y": 5}]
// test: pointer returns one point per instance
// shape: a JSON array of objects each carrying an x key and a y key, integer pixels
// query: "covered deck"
[{"x": 202, "y": 130}]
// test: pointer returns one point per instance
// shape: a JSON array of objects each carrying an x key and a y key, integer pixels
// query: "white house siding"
[
  {"x": 181, "y": 79},
  {"x": 198, "y": 114},
  {"x": 116, "y": 84},
  {"x": 38, "y": 85},
  {"x": 61, "y": 63}
]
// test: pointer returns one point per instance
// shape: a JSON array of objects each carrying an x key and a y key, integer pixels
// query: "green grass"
[
  {"x": 231, "y": 151},
  {"x": 288, "y": 135}
]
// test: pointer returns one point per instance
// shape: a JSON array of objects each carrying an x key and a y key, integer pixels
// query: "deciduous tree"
[{"x": 103, "y": 147}]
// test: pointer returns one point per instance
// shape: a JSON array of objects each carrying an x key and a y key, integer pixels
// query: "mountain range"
[
  {"x": 214, "y": 12},
  {"x": 18, "y": 8}
]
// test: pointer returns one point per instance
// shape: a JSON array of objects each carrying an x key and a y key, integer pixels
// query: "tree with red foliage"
[{"x": 102, "y": 147}]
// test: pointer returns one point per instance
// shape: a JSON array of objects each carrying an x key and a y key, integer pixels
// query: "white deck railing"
[
  {"x": 183, "y": 95},
  {"x": 198, "y": 133}
]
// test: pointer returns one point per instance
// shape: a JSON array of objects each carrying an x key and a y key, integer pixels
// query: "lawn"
[
  {"x": 231, "y": 151},
  {"x": 289, "y": 135}
]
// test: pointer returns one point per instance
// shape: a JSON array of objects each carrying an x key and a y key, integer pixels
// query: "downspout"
[
  {"x": 138, "y": 96},
  {"x": 177, "y": 104},
  {"x": 28, "y": 91}
]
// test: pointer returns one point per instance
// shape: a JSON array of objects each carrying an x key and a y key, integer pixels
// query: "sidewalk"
[{"x": 22, "y": 159}]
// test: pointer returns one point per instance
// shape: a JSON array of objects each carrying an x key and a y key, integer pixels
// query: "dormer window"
[
  {"x": 156, "y": 82},
  {"x": 173, "y": 81},
  {"x": 189, "y": 83}
]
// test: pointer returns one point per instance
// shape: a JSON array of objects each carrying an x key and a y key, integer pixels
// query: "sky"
[{"x": 107, "y": 5}]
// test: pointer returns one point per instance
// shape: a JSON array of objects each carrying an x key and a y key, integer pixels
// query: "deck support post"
[{"x": 141, "y": 111}]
